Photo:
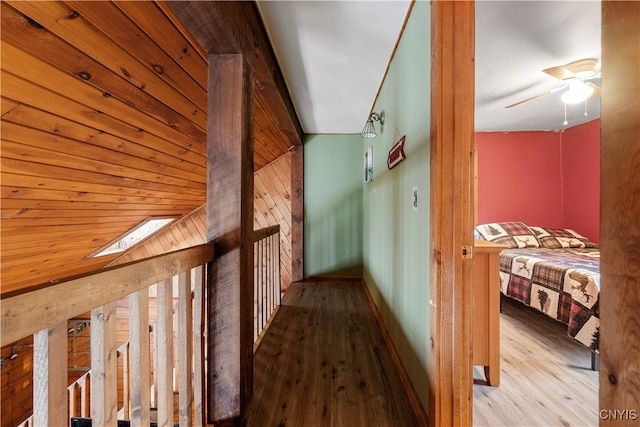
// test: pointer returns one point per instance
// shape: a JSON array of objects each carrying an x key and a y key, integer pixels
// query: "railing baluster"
[
  {"x": 139, "y": 342},
  {"x": 185, "y": 346},
  {"x": 164, "y": 353},
  {"x": 71, "y": 393},
  {"x": 124, "y": 353},
  {"x": 199, "y": 347},
  {"x": 50, "y": 376},
  {"x": 104, "y": 396},
  {"x": 256, "y": 290},
  {"x": 85, "y": 400}
]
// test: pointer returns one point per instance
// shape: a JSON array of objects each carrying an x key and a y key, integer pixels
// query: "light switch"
[{"x": 414, "y": 198}]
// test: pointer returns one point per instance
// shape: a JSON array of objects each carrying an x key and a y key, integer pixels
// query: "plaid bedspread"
[{"x": 562, "y": 283}]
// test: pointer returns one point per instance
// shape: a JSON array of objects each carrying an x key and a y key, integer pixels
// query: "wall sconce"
[{"x": 369, "y": 130}]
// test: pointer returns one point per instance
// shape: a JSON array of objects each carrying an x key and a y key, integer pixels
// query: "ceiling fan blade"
[
  {"x": 596, "y": 89},
  {"x": 540, "y": 95},
  {"x": 555, "y": 89},
  {"x": 587, "y": 66},
  {"x": 560, "y": 72}
]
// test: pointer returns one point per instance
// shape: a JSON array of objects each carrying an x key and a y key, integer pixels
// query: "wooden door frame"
[
  {"x": 619, "y": 393},
  {"x": 452, "y": 206},
  {"x": 451, "y": 211}
]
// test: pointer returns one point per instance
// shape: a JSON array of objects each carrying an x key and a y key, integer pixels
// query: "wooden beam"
[
  {"x": 230, "y": 227},
  {"x": 223, "y": 27},
  {"x": 452, "y": 90},
  {"x": 620, "y": 210}
]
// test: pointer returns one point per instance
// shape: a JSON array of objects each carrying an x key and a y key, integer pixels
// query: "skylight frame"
[{"x": 120, "y": 244}]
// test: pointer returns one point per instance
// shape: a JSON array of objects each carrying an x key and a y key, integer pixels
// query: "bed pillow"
[
  {"x": 556, "y": 238},
  {"x": 513, "y": 234}
]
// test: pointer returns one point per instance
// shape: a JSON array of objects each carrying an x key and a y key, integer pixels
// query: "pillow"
[
  {"x": 556, "y": 238},
  {"x": 513, "y": 234}
]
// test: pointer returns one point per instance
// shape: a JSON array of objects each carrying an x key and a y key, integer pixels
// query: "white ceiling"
[{"x": 334, "y": 55}]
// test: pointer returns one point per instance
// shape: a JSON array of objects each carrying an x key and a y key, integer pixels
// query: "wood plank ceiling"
[{"x": 104, "y": 112}]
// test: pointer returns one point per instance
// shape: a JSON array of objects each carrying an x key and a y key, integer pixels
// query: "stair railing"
[
  {"x": 45, "y": 311},
  {"x": 267, "y": 294}
]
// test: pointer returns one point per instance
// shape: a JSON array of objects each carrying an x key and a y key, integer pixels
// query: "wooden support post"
[
  {"x": 230, "y": 228},
  {"x": 104, "y": 369},
  {"x": 452, "y": 126},
  {"x": 619, "y": 211},
  {"x": 297, "y": 213},
  {"x": 50, "y": 377}
]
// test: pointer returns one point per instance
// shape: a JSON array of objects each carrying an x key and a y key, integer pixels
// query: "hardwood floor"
[
  {"x": 323, "y": 362},
  {"x": 545, "y": 375}
]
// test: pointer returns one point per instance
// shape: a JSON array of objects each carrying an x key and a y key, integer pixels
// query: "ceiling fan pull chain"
[
  {"x": 585, "y": 109},
  {"x": 565, "y": 115}
]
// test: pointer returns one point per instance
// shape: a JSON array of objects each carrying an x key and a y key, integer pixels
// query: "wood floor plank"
[
  {"x": 545, "y": 375},
  {"x": 323, "y": 362}
]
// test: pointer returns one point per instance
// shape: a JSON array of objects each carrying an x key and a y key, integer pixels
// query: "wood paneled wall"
[
  {"x": 272, "y": 205},
  {"x": 183, "y": 233},
  {"x": 17, "y": 390}
]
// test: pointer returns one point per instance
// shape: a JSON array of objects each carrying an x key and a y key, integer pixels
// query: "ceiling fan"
[{"x": 575, "y": 76}]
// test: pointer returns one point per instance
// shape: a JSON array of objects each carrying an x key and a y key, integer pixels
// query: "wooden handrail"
[
  {"x": 27, "y": 313},
  {"x": 265, "y": 232}
]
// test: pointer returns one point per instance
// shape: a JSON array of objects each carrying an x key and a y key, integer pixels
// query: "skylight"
[{"x": 140, "y": 232}]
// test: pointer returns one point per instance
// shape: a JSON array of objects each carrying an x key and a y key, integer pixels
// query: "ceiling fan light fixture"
[{"x": 578, "y": 92}]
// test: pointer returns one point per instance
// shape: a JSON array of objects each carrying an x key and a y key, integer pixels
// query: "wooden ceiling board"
[
  {"x": 48, "y": 47},
  {"x": 158, "y": 150},
  {"x": 103, "y": 124},
  {"x": 72, "y": 27}
]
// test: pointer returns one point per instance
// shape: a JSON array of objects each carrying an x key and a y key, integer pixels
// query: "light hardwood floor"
[
  {"x": 323, "y": 362},
  {"x": 546, "y": 378}
]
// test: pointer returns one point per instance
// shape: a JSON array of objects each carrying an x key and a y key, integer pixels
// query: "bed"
[{"x": 555, "y": 271}]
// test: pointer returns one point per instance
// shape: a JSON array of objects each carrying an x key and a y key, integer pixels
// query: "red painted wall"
[
  {"x": 519, "y": 177},
  {"x": 581, "y": 178},
  {"x": 548, "y": 179}
]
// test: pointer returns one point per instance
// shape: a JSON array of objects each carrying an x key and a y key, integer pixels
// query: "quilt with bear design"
[{"x": 562, "y": 283}]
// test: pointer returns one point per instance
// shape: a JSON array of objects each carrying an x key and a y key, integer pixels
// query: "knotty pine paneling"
[
  {"x": 272, "y": 205},
  {"x": 183, "y": 233},
  {"x": 17, "y": 390},
  {"x": 104, "y": 112}
]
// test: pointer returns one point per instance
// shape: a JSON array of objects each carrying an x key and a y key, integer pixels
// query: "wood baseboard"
[
  {"x": 332, "y": 279},
  {"x": 414, "y": 399}
]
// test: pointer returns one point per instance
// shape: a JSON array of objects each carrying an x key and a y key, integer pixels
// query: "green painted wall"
[
  {"x": 396, "y": 235},
  {"x": 333, "y": 205}
]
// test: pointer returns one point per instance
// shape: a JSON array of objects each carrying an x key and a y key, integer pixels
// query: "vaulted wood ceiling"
[{"x": 104, "y": 118}]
